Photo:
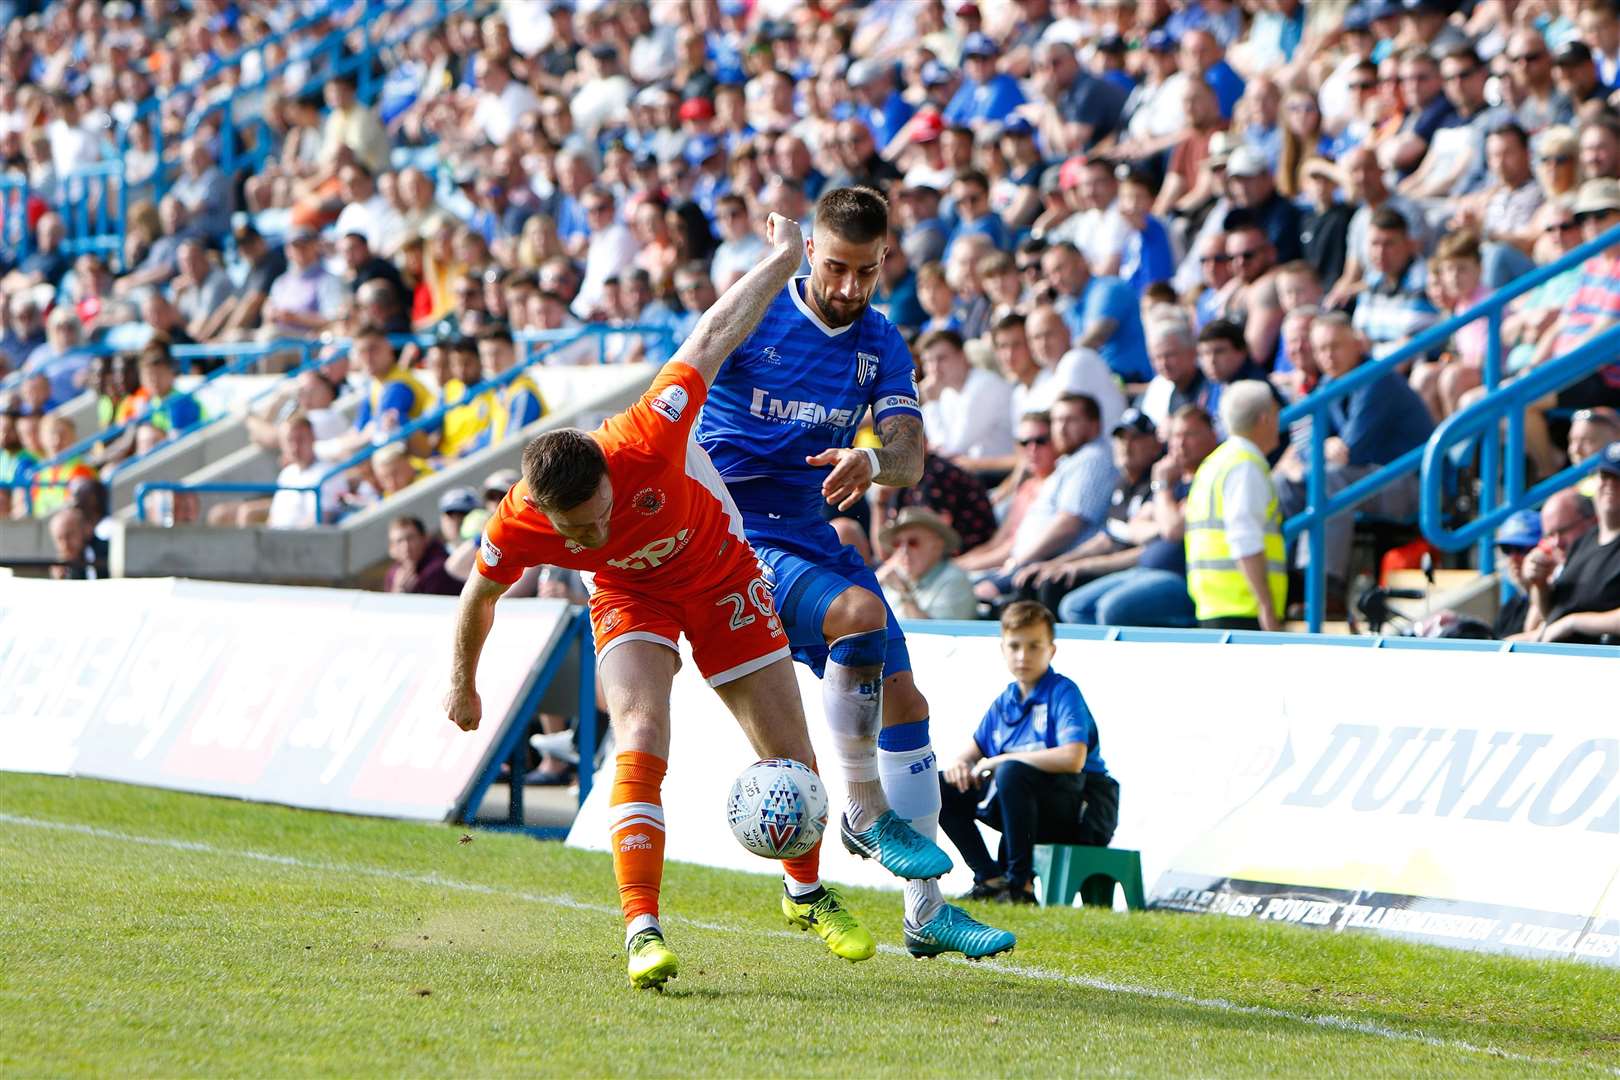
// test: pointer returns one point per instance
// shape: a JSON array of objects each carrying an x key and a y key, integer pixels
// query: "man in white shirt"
[
  {"x": 967, "y": 411},
  {"x": 1066, "y": 370},
  {"x": 612, "y": 250},
  {"x": 365, "y": 211},
  {"x": 502, "y": 100},
  {"x": 1177, "y": 378},
  {"x": 740, "y": 246},
  {"x": 296, "y": 509},
  {"x": 1097, "y": 227}
]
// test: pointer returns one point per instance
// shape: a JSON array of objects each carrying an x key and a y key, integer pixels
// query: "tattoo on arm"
[{"x": 900, "y": 461}]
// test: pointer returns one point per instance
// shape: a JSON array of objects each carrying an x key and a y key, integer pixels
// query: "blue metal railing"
[
  {"x": 1318, "y": 509},
  {"x": 553, "y": 342},
  {"x": 1486, "y": 415},
  {"x": 92, "y": 201}
]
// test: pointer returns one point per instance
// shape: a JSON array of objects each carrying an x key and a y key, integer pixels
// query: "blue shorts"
[{"x": 807, "y": 568}]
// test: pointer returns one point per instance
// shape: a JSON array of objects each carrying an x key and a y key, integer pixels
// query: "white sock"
[
  {"x": 852, "y": 698},
  {"x": 914, "y": 795},
  {"x": 800, "y": 889},
  {"x": 638, "y": 924}
]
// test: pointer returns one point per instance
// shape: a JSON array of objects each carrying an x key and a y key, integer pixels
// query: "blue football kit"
[{"x": 794, "y": 388}]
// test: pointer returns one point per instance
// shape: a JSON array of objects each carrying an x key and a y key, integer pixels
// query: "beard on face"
[{"x": 837, "y": 312}]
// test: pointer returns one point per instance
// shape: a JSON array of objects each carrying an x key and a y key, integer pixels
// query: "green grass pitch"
[{"x": 148, "y": 933}]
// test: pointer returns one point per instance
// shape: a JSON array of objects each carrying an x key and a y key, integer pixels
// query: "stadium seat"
[{"x": 1092, "y": 872}]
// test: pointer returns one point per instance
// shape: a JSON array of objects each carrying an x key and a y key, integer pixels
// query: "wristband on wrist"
[{"x": 871, "y": 459}]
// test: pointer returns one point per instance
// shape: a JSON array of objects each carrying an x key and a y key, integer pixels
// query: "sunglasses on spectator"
[
  {"x": 1244, "y": 256},
  {"x": 1458, "y": 76},
  {"x": 1515, "y": 551},
  {"x": 1035, "y": 440},
  {"x": 1217, "y": 259},
  {"x": 1029, "y": 268},
  {"x": 1595, "y": 215},
  {"x": 1556, "y": 159},
  {"x": 1363, "y": 87},
  {"x": 1560, "y": 227}
]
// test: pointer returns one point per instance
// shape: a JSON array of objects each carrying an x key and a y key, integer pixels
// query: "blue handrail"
[
  {"x": 1511, "y": 399},
  {"x": 1313, "y": 519},
  {"x": 142, "y": 490},
  {"x": 14, "y": 230}
]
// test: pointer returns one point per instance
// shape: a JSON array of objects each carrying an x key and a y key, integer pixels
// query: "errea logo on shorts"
[
  {"x": 671, "y": 401},
  {"x": 653, "y": 554}
]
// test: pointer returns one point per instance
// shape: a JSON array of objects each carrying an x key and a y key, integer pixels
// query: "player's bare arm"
[
  {"x": 898, "y": 463},
  {"x": 474, "y": 618},
  {"x": 734, "y": 316}
]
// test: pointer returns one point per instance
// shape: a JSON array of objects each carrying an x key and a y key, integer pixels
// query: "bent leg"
[{"x": 958, "y": 817}]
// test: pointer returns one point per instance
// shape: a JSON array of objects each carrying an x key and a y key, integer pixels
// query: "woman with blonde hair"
[
  {"x": 1302, "y": 138},
  {"x": 538, "y": 242},
  {"x": 1557, "y": 161}
]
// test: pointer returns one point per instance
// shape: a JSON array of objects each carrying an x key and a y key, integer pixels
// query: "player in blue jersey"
[{"x": 780, "y": 425}]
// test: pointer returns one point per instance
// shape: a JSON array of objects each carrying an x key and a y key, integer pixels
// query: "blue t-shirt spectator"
[
  {"x": 1147, "y": 257},
  {"x": 1227, "y": 84},
  {"x": 1054, "y": 714},
  {"x": 987, "y": 225},
  {"x": 885, "y": 123},
  {"x": 991, "y": 100},
  {"x": 1111, "y": 298}
]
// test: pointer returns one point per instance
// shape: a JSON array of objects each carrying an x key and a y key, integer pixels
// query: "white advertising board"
[
  {"x": 1461, "y": 797},
  {"x": 321, "y": 698}
]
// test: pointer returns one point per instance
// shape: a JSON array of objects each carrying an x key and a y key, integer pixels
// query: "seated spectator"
[
  {"x": 1033, "y": 772},
  {"x": 956, "y": 495},
  {"x": 241, "y": 313},
  {"x": 919, "y": 581},
  {"x": 164, "y": 318},
  {"x": 395, "y": 470},
  {"x": 70, "y": 539},
  {"x": 610, "y": 251},
  {"x": 15, "y": 459},
  {"x": 1136, "y": 447},
  {"x": 156, "y": 412},
  {"x": 1073, "y": 502},
  {"x": 311, "y": 394},
  {"x": 1455, "y": 161},
  {"x": 1577, "y": 598},
  {"x": 1237, "y": 568},
  {"x": 970, "y": 194},
  {"x": 966, "y": 409},
  {"x": 159, "y": 266},
  {"x": 515, "y": 405},
  {"x": 1223, "y": 357},
  {"x": 62, "y": 360},
  {"x": 24, "y": 332},
  {"x": 1013, "y": 497},
  {"x": 466, "y": 426},
  {"x": 1060, "y": 369},
  {"x": 1364, "y": 180},
  {"x": 1253, "y": 188},
  {"x": 1178, "y": 378},
  {"x": 1457, "y": 272},
  {"x": 1147, "y": 257},
  {"x": 49, "y": 491},
  {"x": 985, "y": 94},
  {"x": 1515, "y": 540},
  {"x": 1590, "y": 432},
  {"x": 1504, "y": 211},
  {"x": 1324, "y": 231},
  {"x": 46, "y": 262},
  {"x": 456, "y": 506},
  {"x": 1370, "y": 428},
  {"x": 1152, "y": 591},
  {"x": 202, "y": 293},
  {"x": 937, "y": 300},
  {"x": 1250, "y": 299},
  {"x": 1096, "y": 228},
  {"x": 1395, "y": 306},
  {"x": 306, "y": 298},
  {"x": 1101, "y": 312},
  {"x": 740, "y": 243},
  {"x": 393, "y": 395},
  {"x": 203, "y": 190},
  {"x": 417, "y": 561}
]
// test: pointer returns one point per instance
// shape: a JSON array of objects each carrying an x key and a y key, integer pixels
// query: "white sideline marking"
[{"x": 1084, "y": 982}]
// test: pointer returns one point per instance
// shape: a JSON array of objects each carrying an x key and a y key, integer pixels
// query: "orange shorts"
[{"x": 732, "y": 625}]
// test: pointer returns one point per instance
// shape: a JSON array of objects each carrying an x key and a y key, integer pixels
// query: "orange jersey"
[{"x": 672, "y": 526}]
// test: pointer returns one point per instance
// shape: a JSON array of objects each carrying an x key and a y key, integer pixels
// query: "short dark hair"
[
  {"x": 495, "y": 333},
  {"x": 1390, "y": 219},
  {"x": 1511, "y": 129},
  {"x": 410, "y": 520},
  {"x": 1087, "y": 403},
  {"x": 1224, "y": 330},
  {"x": 1022, "y": 613},
  {"x": 1011, "y": 321},
  {"x": 156, "y": 351},
  {"x": 856, "y": 214},
  {"x": 563, "y": 468},
  {"x": 1190, "y": 411},
  {"x": 934, "y": 337},
  {"x": 974, "y": 177}
]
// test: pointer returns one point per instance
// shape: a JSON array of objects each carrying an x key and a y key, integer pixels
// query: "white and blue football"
[{"x": 777, "y": 808}]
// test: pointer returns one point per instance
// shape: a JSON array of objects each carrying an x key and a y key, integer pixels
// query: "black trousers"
[{"x": 1027, "y": 807}]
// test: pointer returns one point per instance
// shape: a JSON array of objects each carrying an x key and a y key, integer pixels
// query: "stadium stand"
[{"x": 246, "y": 187}]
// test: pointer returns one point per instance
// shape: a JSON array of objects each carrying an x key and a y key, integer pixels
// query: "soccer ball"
[{"x": 777, "y": 808}]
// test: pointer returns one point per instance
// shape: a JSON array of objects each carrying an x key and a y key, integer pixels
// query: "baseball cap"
[
  {"x": 1383, "y": 9},
  {"x": 861, "y": 72},
  {"x": 928, "y": 127},
  {"x": 697, "y": 109},
  {"x": 1573, "y": 52},
  {"x": 1159, "y": 41},
  {"x": 1246, "y": 161},
  {"x": 1018, "y": 125},
  {"x": 1357, "y": 20},
  {"x": 979, "y": 45},
  {"x": 461, "y": 500},
  {"x": 605, "y": 51},
  {"x": 1111, "y": 43},
  {"x": 1609, "y": 460},
  {"x": 934, "y": 73},
  {"x": 1052, "y": 179},
  {"x": 701, "y": 148},
  {"x": 1598, "y": 195},
  {"x": 1071, "y": 171},
  {"x": 1136, "y": 422},
  {"x": 502, "y": 480},
  {"x": 1522, "y": 530},
  {"x": 967, "y": 9},
  {"x": 1426, "y": 7}
]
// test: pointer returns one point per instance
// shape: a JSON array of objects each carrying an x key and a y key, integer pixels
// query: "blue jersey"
[
  {"x": 794, "y": 388},
  {"x": 1055, "y": 714}
]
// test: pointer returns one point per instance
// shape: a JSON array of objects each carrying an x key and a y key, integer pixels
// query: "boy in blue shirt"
[{"x": 1032, "y": 772}]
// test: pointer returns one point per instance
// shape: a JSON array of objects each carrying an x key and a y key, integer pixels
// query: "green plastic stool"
[{"x": 1067, "y": 869}]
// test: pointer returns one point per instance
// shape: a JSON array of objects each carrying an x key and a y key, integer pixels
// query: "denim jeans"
[
  {"x": 1136, "y": 597},
  {"x": 1028, "y": 807}
]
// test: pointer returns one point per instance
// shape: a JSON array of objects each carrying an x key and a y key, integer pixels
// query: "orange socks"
[
  {"x": 803, "y": 874},
  {"x": 636, "y": 830}
]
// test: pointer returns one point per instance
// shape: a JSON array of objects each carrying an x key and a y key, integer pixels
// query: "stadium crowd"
[{"x": 1106, "y": 215}]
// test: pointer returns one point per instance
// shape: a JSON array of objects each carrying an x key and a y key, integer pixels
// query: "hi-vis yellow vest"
[{"x": 1214, "y": 581}]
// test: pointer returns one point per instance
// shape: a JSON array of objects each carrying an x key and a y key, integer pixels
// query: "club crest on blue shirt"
[
  {"x": 866, "y": 367},
  {"x": 1037, "y": 720}
]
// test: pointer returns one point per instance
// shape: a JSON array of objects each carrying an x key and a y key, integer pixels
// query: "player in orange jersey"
[{"x": 637, "y": 505}]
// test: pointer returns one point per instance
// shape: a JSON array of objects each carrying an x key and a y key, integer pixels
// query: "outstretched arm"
[{"x": 734, "y": 316}]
